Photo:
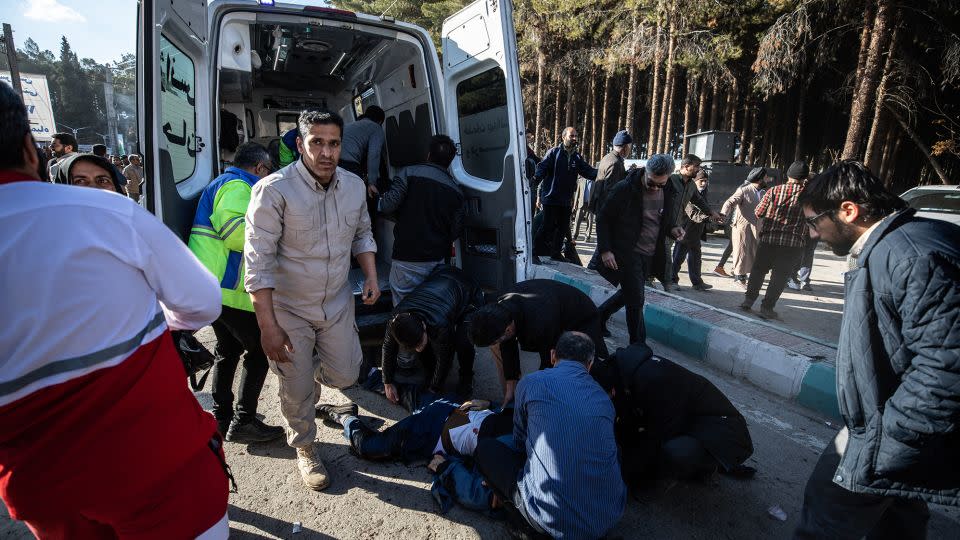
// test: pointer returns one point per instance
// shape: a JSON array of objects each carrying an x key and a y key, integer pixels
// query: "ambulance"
[{"x": 213, "y": 74}]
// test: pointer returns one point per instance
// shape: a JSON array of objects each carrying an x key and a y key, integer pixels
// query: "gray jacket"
[{"x": 898, "y": 363}]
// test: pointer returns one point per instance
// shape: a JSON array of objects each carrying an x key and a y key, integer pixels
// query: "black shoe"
[
  {"x": 806, "y": 287},
  {"x": 253, "y": 431},
  {"x": 223, "y": 426},
  {"x": 747, "y": 305},
  {"x": 768, "y": 313},
  {"x": 740, "y": 471},
  {"x": 336, "y": 413},
  {"x": 703, "y": 287}
]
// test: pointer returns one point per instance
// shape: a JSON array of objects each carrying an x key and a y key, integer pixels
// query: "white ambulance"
[{"x": 212, "y": 73}]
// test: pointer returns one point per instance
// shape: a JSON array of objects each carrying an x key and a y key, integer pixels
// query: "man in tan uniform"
[
  {"x": 743, "y": 231},
  {"x": 302, "y": 225}
]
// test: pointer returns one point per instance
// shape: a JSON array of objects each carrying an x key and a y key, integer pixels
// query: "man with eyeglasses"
[
  {"x": 782, "y": 239},
  {"x": 898, "y": 363},
  {"x": 217, "y": 240},
  {"x": 632, "y": 231}
]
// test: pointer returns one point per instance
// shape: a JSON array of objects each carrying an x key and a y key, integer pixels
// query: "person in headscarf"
[
  {"x": 88, "y": 170},
  {"x": 743, "y": 231}
]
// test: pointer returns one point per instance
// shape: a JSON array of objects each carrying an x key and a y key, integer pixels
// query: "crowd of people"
[
  {"x": 88, "y": 368},
  {"x": 61, "y": 162}
]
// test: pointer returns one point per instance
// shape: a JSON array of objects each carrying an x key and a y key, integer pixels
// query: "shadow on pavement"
[{"x": 271, "y": 526}]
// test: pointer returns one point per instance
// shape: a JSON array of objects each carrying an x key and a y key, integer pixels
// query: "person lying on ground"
[{"x": 672, "y": 424}]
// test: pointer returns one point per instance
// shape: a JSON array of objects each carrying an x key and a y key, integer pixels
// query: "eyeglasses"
[{"x": 812, "y": 221}]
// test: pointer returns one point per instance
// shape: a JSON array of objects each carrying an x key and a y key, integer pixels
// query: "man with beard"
[
  {"x": 302, "y": 226},
  {"x": 898, "y": 363},
  {"x": 557, "y": 177}
]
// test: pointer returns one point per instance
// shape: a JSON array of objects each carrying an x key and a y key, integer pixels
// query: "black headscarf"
[{"x": 63, "y": 173}]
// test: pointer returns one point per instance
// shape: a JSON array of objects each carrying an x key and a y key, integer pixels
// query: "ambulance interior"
[{"x": 273, "y": 66}]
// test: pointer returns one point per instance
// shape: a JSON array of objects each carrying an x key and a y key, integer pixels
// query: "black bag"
[{"x": 195, "y": 357}]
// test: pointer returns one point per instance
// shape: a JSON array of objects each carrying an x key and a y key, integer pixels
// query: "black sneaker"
[
  {"x": 806, "y": 287},
  {"x": 253, "y": 431},
  {"x": 703, "y": 286},
  {"x": 223, "y": 426},
  {"x": 336, "y": 413},
  {"x": 768, "y": 313}
]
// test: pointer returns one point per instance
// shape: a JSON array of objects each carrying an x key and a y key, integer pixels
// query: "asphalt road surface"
[{"x": 392, "y": 500}]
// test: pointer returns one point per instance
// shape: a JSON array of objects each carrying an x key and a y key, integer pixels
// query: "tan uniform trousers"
[{"x": 336, "y": 363}]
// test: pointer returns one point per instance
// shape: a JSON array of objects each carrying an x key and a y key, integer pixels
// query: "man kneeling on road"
[
  {"x": 565, "y": 480},
  {"x": 532, "y": 316},
  {"x": 429, "y": 326},
  {"x": 672, "y": 424}
]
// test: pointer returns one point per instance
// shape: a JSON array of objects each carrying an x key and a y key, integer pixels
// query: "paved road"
[
  {"x": 388, "y": 500},
  {"x": 816, "y": 313}
]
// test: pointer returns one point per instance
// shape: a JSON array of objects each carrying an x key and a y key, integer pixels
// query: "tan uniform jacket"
[{"x": 300, "y": 236}]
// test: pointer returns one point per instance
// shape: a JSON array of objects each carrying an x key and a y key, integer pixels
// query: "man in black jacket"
[
  {"x": 632, "y": 228},
  {"x": 671, "y": 422},
  {"x": 429, "y": 326},
  {"x": 557, "y": 175},
  {"x": 428, "y": 205},
  {"x": 898, "y": 363},
  {"x": 531, "y": 316}
]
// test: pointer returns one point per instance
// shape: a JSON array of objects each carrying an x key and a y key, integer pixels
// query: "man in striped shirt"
[
  {"x": 783, "y": 235},
  {"x": 561, "y": 486}
]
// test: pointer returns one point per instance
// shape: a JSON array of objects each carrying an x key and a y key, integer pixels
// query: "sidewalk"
[{"x": 793, "y": 357}]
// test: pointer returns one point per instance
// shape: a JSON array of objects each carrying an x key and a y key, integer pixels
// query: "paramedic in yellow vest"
[{"x": 217, "y": 240}]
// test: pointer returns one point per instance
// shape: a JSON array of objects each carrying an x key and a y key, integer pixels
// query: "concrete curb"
[{"x": 808, "y": 382}]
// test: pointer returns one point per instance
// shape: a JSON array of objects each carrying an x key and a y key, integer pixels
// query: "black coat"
[
  {"x": 542, "y": 310},
  {"x": 442, "y": 301},
  {"x": 667, "y": 400},
  {"x": 619, "y": 223},
  {"x": 898, "y": 363}
]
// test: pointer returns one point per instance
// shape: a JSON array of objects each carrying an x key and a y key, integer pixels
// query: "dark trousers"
[
  {"x": 781, "y": 260},
  {"x": 556, "y": 225},
  {"x": 501, "y": 466},
  {"x": 236, "y": 331},
  {"x": 805, "y": 264},
  {"x": 691, "y": 250},
  {"x": 685, "y": 458},
  {"x": 830, "y": 511},
  {"x": 633, "y": 298},
  {"x": 413, "y": 437},
  {"x": 726, "y": 254}
]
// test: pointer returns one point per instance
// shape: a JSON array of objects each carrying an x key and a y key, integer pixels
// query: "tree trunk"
[
  {"x": 588, "y": 123},
  {"x": 745, "y": 132},
  {"x": 889, "y": 140},
  {"x": 603, "y": 106},
  {"x": 556, "y": 114},
  {"x": 715, "y": 107},
  {"x": 655, "y": 98},
  {"x": 622, "y": 117},
  {"x": 571, "y": 116},
  {"x": 869, "y": 13},
  {"x": 801, "y": 118},
  {"x": 596, "y": 143},
  {"x": 732, "y": 98},
  {"x": 702, "y": 110},
  {"x": 871, "y": 155},
  {"x": 754, "y": 132},
  {"x": 687, "y": 111},
  {"x": 666, "y": 100},
  {"x": 538, "y": 125},
  {"x": 667, "y": 131},
  {"x": 866, "y": 86},
  {"x": 920, "y": 146},
  {"x": 631, "y": 99}
]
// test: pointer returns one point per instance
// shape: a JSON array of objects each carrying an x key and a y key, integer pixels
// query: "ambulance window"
[
  {"x": 484, "y": 123},
  {"x": 178, "y": 114},
  {"x": 286, "y": 122}
]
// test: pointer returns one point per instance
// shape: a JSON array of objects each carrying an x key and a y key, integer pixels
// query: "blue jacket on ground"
[
  {"x": 898, "y": 363},
  {"x": 557, "y": 175}
]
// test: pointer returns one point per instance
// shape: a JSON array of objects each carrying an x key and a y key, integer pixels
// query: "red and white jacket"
[{"x": 91, "y": 387}]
